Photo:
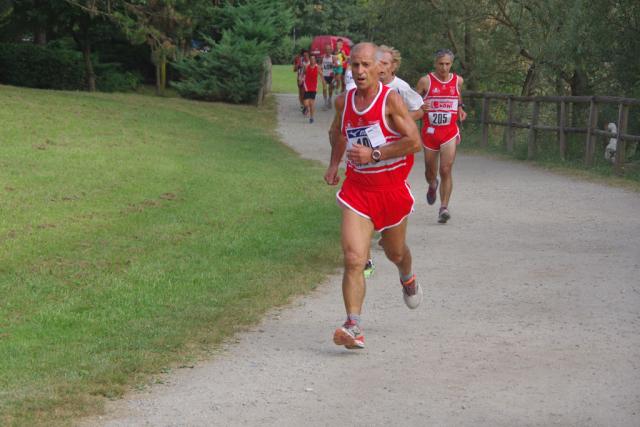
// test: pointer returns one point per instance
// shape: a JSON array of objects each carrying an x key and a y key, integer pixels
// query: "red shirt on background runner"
[
  {"x": 311, "y": 78},
  {"x": 440, "y": 120}
]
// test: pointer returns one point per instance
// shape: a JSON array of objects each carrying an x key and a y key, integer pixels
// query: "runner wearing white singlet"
[
  {"x": 348, "y": 78},
  {"x": 328, "y": 62}
]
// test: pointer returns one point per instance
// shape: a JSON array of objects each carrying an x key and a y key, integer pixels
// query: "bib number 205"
[{"x": 439, "y": 119}]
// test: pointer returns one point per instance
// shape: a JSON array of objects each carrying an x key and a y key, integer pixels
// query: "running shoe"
[
  {"x": 310, "y": 120},
  {"x": 411, "y": 293},
  {"x": 369, "y": 269},
  {"x": 432, "y": 193},
  {"x": 444, "y": 215},
  {"x": 349, "y": 335}
]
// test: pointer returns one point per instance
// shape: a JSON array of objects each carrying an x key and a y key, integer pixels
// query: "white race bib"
[
  {"x": 439, "y": 118},
  {"x": 375, "y": 135}
]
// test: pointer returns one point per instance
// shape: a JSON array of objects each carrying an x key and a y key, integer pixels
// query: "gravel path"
[{"x": 531, "y": 318}]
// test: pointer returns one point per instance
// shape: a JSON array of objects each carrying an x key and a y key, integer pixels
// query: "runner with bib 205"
[{"x": 442, "y": 108}]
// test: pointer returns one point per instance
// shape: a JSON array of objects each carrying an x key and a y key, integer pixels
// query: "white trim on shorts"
[
  {"x": 404, "y": 217},
  {"x": 351, "y": 208},
  {"x": 445, "y": 143}
]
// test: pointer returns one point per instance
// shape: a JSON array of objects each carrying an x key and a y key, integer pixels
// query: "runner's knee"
[
  {"x": 353, "y": 260},
  {"x": 396, "y": 255}
]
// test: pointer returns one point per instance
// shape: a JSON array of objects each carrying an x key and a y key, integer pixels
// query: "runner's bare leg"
[
  {"x": 447, "y": 158},
  {"x": 396, "y": 249},
  {"x": 356, "y": 238}
]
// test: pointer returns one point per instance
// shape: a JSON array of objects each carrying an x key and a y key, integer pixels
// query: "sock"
[
  {"x": 353, "y": 318},
  {"x": 405, "y": 278}
]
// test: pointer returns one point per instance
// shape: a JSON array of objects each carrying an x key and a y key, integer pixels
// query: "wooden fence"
[{"x": 591, "y": 129}]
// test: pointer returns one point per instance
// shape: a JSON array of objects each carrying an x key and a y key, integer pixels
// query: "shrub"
[
  {"x": 231, "y": 71},
  {"x": 29, "y": 65},
  {"x": 111, "y": 78}
]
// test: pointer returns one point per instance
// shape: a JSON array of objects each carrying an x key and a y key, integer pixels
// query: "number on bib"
[{"x": 439, "y": 119}]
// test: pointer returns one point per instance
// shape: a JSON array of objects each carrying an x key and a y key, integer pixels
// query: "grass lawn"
[
  {"x": 283, "y": 79},
  {"x": 136, "y": 233}
]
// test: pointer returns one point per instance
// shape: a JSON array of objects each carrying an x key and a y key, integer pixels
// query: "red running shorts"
[{"x": 385, "y": 206}]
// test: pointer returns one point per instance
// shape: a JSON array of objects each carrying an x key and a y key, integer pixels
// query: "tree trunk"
[
  {"x": 527, "y": 86},
  {"x": 161, "y": 74},
  {"x": 469, "y": 59},
  {"x": 579, "y": 87},
  {"x": 40, "y": 36},
  {"x": 88, "y": 66}
]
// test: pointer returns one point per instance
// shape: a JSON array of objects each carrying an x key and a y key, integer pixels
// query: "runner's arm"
[
  {"x": 412, "y": 100},
  {"x": 399, "y": 120},
  {"x": 462, "y": 115},
  {"x": 338, "y": 143},
  {"x": 423, "y": 86}
]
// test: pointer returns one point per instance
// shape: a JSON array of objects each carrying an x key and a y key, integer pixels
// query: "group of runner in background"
[{"x": 334, "y": 68}]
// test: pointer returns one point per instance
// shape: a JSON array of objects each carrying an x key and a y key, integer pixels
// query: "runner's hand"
[
  {"x": 331, "y": 176},
  {"x": 462, "y": 115},
  {"x": 359, "y": 154}
]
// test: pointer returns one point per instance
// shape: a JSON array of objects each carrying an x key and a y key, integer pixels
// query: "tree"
[{"x": 165, "y": 25}]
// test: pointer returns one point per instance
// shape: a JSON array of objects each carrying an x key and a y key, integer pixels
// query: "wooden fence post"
[
  {"x": 533, "y": 133},
  {"x": 510, "y": 128},
  {"x": 623, "y": 117},
  {"x": 562, "y": 134},
  {"x": 485, "y": 121},
  {"x": 591, "y": 137}
]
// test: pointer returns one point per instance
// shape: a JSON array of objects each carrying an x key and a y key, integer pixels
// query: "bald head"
[
  {"x": 365, "y": 49},
  {"x": 365, "y": 66}
]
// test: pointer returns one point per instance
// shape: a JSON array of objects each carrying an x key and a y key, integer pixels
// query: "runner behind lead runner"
[
  {"x": 328, "y": 62},
  {"x": 390, "y": 60},
  {"x": 374, "y": 127},
  {"x": 310, "y": 86},
  {"x": 440, "y": 133}
]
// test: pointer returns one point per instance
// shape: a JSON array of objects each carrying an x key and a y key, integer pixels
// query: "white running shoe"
[{"x": 412, "y": 293}]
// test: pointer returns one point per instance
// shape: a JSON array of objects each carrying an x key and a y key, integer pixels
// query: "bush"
[
  {"x": 29, "y": 65},
  {"x": 231, "y": 71},
  {"x": 111, "y": 78},
  {"x": 286, "y": 51}
]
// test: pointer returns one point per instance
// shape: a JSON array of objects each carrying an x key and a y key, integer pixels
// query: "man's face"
[
  {"x": 327, "y": 49},
  {"x": 312, "y": 59},
  {"x": 339, "y": 46},
  {"x": 306, "y": 56},
  {"x": 386, "y": 68},
  {"x": 443, "y": 65},
  {"x": 365, "y": 69}
]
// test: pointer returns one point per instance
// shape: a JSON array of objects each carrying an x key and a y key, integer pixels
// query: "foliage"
[
  {"x": 573, "y": 47},
  {"x": 39, "y": 67},
  {"x": 263, "y": 20},
  {"x": 112, "y": 78},
  {"x": 288, "y": 49},
  {"x": 231, "y": 71},
  {"x": 355, "y": 19}
]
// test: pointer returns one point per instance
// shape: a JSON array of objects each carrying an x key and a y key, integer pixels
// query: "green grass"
[
  {"x": 137, "y": 232},
  {"x": 283, "y": 79},
  {"x": 549, "y": 158}
]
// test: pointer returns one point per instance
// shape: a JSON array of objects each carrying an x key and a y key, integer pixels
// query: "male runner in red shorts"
[
  {"x": 310, "y": 86},
  {"x": 373, "y": 126},
  {"x": 442, "y": 107}
]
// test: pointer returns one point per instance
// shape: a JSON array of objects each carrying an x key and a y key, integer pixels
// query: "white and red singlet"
[
  {"x": 375, "y": 190},
  {"x": 440, "y": 125}
]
